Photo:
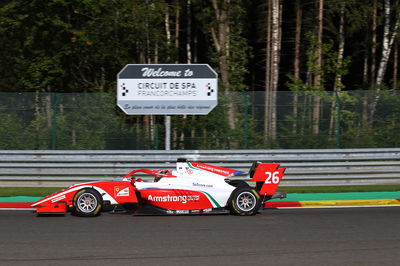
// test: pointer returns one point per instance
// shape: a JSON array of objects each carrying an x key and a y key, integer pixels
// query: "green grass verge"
[
  {"x": 27, "y": 191},
  {"x": 44, "y": 191},
  {"x": 337, "y": 189}
]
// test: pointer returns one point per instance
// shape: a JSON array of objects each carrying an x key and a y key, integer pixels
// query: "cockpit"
[
  {"x": 158, "y": 174},
  {"x": 162, "y": 173}
]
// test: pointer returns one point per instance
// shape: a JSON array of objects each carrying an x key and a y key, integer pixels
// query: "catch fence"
[{"x": 242, "y": 120}]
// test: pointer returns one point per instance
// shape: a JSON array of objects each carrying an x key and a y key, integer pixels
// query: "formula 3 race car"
[{"x": 193, "y": 188}]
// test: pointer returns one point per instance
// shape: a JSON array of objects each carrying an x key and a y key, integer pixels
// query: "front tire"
[
  {"x": 87, "y": 202},
  {"x": 245, "y": 201}
]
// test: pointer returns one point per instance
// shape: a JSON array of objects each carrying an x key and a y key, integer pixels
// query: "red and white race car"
[{"x": 193, "y": 188}]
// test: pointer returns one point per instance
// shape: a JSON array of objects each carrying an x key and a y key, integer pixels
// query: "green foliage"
[
  {"x": 92, "y": 121},
  {"x": 71, "y": 46},
  {"x": 331, "y": 67},
  {"x": 388, "y": 120},
  {"x": 11, "y": 131},
  {"x": 239, "y": 48}
]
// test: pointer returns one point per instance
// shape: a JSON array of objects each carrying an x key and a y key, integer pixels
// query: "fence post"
[
  {"x": 54, "y": 104},
  {"x": 245, "y": 120},
  {"x": 338, "y": 108},
  {"x": 155, "y": 136}
]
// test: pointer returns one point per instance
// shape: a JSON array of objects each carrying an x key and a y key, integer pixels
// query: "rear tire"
[
  {"x": 87, "y": 202},
  {"x": 245, "y": 201}
]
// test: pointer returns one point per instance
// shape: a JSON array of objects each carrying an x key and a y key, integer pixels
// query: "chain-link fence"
[{"x": 352, "y": 119}]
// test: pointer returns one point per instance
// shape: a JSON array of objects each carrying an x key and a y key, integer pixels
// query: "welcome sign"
[{"x": 167, "y": 89}]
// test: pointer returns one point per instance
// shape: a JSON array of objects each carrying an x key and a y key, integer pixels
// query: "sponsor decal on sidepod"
[
  {"x": 121, "y": 191},
  {"x": 169, "y": 198},
  {"x": 58, "y": 198}
]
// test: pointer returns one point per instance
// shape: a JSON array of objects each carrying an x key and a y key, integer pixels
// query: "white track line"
[
  {"x": 327, "y": 207},
  {"x": 17, "y": 209}
]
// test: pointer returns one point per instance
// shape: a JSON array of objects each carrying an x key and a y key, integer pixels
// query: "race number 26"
[{"x": 272, "y": 178}]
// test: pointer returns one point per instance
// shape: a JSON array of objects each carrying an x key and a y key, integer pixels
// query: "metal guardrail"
[{"x": 304, "y": 167}]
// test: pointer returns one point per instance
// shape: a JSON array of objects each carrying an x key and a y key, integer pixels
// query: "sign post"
[
  {"x": 167, "y": 132},
  {"x": 162, "y": 89}
]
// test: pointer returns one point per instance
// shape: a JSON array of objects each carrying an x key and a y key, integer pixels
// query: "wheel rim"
[
  {"x": 87, "y": 202},
  {"x": 246, "y": 201}
]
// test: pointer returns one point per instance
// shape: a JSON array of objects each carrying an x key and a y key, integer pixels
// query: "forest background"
[{"x": 292, "y": 74}]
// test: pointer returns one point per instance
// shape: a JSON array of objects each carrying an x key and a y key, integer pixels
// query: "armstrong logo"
[
  {"x": 212, "y": 169},
  {"x": 169, "y": 198}
]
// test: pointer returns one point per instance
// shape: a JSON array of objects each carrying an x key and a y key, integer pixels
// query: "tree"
[
  {"x": 273, "y": 46},
  {"x": 387, "y": 43},
  {"x": 296, "y": 62}
]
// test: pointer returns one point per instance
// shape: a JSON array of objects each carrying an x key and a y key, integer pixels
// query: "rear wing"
[{"x": 267, "y": 177}]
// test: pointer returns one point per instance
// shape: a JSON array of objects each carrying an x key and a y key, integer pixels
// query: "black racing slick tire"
[
  {"x": 245, "y": 201},
  {"x": 87, "y": 202}
]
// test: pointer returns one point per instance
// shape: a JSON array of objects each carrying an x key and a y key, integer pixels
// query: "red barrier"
[{"x": 279, "y": 204}]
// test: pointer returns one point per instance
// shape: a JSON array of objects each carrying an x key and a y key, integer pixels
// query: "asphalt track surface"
[{"x": 335, "y": 236}]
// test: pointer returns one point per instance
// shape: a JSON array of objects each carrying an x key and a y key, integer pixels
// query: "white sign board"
[{"x": 177, "y": 89}]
